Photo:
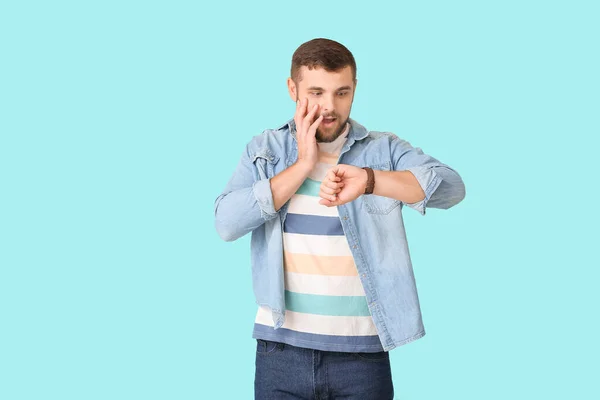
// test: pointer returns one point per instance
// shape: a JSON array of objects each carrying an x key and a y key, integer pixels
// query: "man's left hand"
[{"x": 342, "y": 184}]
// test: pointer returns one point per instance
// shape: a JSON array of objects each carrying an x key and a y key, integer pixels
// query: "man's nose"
[{"x": 327, "y": 104}]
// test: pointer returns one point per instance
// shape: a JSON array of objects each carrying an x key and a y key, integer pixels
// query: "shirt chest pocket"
[
  {"x": 264, "y": 161},
  {"x": 374, "y": 204}
]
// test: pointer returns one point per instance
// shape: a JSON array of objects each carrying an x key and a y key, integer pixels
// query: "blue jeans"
[{"x": 285, "y": 372}]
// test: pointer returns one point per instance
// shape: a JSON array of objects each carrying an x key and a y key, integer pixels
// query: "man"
[{"x": 331, "y": 270}]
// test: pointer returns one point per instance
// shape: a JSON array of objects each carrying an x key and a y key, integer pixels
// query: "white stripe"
[
  {"x": 329, "y": 285},
  {"x": 320, "y": 324},
  {"x": 319, "y": 171},
  {"x": 318, "y": 245},
  {"x": 303, "y": 204}
]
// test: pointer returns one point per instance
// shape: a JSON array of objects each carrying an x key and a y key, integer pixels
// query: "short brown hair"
[{"x": 321, "y": 52}]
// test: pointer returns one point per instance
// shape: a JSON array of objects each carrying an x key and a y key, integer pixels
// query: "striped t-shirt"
[{"x": 326, "y": 307}]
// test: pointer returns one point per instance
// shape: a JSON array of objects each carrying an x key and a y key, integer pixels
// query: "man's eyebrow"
[{"x": 322, "y": 90}]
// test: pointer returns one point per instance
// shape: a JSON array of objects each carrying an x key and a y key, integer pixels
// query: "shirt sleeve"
[
  {"x": 245, "y": 203},
  {"x": 442, "y": 185}
]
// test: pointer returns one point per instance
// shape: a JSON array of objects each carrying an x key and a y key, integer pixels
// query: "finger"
[
  {"x": 339, "y": 172},
  {"x": 298, "y": 116},
  {"x": 327, "y": 196},
  {"x": 312, "y": 130},
  {"x": 328, "y": 190},
  {"x": 309, "y": 118},
  {"x": 332, "y": 185},
  {"x": 328, "y": 184},
  {"x": 303, "y": 106},
  {"x": 329, "y": 203},
  {"x": 331, "y": 176}
]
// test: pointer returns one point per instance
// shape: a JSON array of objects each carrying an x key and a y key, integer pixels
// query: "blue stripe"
[
  {"x": 313, "y": 225},
  {"x": 316, "y": 341}
]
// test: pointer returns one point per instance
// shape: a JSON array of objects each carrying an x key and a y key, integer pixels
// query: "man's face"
[{"x": 333, "y": 91}]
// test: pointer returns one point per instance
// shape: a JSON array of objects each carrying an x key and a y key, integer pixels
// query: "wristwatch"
[{"x": 370, "y": 180}]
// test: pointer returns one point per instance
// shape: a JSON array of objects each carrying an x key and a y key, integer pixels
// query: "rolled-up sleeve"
[
  {"x": 442, "y": 185},
  {"x": 264, "y": 197},
  {"x": 246, "y": 202},
  {"x": 429, "y": 181}
]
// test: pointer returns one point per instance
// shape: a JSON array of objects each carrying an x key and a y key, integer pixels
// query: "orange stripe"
[
  {"x": 319, "y": 265},
  {"x": 328, "y": 158}
]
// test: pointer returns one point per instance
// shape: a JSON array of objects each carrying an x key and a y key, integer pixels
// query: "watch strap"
[{"x": 370, "y": 180}]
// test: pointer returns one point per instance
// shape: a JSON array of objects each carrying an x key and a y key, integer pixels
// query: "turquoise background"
[{"x": 121, "y": 122}]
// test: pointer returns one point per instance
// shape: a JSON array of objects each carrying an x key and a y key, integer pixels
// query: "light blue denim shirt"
[{"x": 373, "y": 224}]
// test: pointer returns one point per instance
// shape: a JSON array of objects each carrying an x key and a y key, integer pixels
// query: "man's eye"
[
  {"x": 343, "y": 93},
  {"x": 316, "y": 93}
]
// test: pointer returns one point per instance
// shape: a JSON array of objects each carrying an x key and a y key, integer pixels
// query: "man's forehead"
[{"x": 322, "y": 78}]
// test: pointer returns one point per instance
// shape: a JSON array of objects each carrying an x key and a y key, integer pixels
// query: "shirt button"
[
  {"x": 364, "y": 275},
  {"x": 345, "y": 217},
  {"x": 355, "y": 246}
]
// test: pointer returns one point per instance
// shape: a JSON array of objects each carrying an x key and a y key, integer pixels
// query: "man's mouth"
[{"x": 328, "y": 121}]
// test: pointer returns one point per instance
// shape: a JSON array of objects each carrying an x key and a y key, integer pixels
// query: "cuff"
[
  {"x": 264, "y": 197},
  {"x": 429, "y": 181}
]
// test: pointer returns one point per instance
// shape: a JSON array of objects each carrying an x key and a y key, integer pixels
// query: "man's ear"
[{"x": 292, "y": 89}]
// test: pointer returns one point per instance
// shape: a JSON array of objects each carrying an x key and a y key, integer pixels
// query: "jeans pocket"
[
  {"x": 378, "y": 356},
  {"x": 266, "y": 347}
]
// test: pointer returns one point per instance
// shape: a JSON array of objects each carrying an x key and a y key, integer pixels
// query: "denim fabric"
[
  {"x": 373, "y": 224},
  {"x": 284, "y": 372}
]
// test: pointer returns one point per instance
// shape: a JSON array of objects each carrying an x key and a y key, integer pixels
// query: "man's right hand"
[
  {"x": 287, "y": 182},
  {"x": 306, "y": 130}
]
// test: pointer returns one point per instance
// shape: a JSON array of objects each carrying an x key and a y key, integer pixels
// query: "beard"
[{"x": 330, "y": 134}]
